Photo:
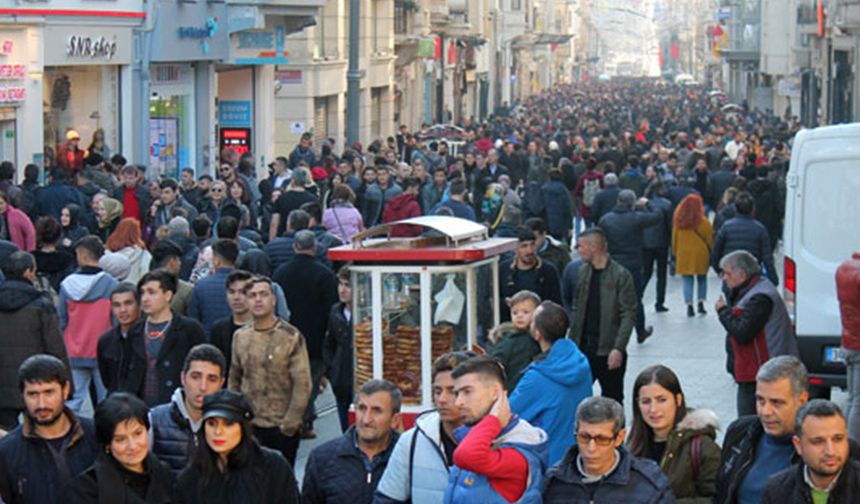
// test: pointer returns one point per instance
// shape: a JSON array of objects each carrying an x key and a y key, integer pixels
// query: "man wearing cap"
[
  {"x": 70, "y": 157},
  {"x": 270, "y": 366},
  {"x": 527, "y": 271}
]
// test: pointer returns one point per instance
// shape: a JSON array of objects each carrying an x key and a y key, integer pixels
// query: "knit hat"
[{"x": 116, "y": 265}]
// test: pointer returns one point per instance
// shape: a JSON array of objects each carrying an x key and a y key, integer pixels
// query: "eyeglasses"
[
  {"x": 584, "y": 439},
  {"x": 216, "y": 189}
]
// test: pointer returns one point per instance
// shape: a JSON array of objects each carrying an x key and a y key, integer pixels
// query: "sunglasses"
[
  {"x": 217, "y": 190},
  {"x": 584, "y": 439}
]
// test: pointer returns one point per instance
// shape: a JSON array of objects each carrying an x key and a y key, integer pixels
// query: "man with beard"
[
  {"x": 527, "y": 271},
  {"x": 39, "y": 458},
  {"x": 348, "y": 468},
  {"x": 500, "y": 456}
]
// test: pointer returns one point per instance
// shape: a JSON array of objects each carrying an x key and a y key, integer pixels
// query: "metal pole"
[
  {"x": 440, "y": 91},
  {"x": 353, "y": 75}
]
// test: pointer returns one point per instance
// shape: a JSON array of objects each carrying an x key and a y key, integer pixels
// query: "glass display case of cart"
[{"x": 416, "y": 299}]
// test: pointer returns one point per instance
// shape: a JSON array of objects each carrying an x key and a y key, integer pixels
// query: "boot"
[
  {"x": 702, "y": 310},
  {"x": 690, "y": 311}
]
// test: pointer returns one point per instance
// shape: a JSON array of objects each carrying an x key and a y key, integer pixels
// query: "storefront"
[
  {"x": 14, "y": 74},
  {"x": 82, "y": 87}
]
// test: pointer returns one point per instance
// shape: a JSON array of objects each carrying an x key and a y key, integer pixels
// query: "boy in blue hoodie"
[{"x": 553, "y": 386}]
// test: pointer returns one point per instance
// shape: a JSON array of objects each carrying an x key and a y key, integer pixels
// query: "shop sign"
[
  {"x": 199, "y": 32},
  {"x": 288, "y": 76},
  {"x": 256, "y": 40},
  {"x": 234, "y": 114},
  {"x": 12, "y": 94},
  {"x": 6, "y": 47},
  {"x": 91, "y": 47},
  {"x": 12, "y": 72},
  {"x": 260, "y": 47}
]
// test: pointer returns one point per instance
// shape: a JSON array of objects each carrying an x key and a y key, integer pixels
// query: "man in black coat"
[
  {"x": 112, "y": 350},
  {"x": 606, "y": 198},
  {"x": 743, "y": 232},
  {"x": 337, "y": 348},
  {"x": 157, "y": 347},
  {"x": 311, "y": 290},
  {"x": 527, "y": 271},
  {"x": 656, "y": 241}
]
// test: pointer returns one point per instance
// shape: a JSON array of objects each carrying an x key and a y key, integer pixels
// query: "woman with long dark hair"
[
  {"x": 692, "y": 240},
  {"x": 73, "y": 230},
  {"x": 52, "y": 263},
  {"x": 126, "y": 471},
  {"x": 680, "y": 440},
  {"x": 229, "y": 465}
]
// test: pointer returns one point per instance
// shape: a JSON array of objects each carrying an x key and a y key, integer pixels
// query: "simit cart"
[{"x": 415, "y": 299}]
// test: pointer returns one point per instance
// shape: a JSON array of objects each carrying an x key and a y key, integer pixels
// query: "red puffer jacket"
[
  {"x": 402, "y": 207},
  {"x": 848, "y": 290}
]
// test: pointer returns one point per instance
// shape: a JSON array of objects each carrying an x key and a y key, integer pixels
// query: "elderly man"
[
  {"x": 756, "y": 321},
  {"x": 598, "y": 468},
  {"x": 827, "y": 473}
]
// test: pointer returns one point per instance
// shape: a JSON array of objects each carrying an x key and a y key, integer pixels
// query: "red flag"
[
  {"x": 675, "y": 52},
  {"x": 820, "y": 18},
  {"x": 437, "y": 49},
  {"x": 452, "y": 53}
]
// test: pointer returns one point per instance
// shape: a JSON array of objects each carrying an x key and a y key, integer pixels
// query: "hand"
[
  {"x": 642, "y": 202},
  {"x": 615, "y": 359},
  {"x": 502, "y": 409},
  {"x": 720, "y": 304}
]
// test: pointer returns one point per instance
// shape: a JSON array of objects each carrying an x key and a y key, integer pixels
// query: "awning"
[{"x": 552, "y": 38}]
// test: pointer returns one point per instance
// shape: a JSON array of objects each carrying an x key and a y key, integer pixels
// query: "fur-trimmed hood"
[
  {"x": 502, "y": 331},
  {"x": 699, "y": 419}
]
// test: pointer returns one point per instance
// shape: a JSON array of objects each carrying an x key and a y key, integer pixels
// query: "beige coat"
[{"x": 272, "y": 369}]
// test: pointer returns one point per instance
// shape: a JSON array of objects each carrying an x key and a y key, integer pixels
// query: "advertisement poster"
[{"x": 163, "y": 145}]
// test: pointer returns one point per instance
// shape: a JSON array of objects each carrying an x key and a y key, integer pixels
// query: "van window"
[{"x": 830, "y": 227}]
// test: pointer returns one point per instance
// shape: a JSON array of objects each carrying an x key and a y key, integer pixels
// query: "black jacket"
[
  {"x": 106, "y": 482},
  {"x": 335, "y": 472},
  {"x": 737, "y": 457},
  {"x": 337, "y": 352},
  {"x": 547, "y": 284},
  {"x": 182, "y": 334},
  {"x": 266, "y": 479},
  {"x": 30, "y": 325},
  {"x": 789, "y": 486},
  {"x": 311, "y": 290},
  {"x": 659, "y": 235},
  {"x": 29, "y": 473},
  {"x": 745, "y": 233},
  {"x": 624, "y": 229},
  {"x": 604, "y": 201},
  {"x": 112, "y": 351}
]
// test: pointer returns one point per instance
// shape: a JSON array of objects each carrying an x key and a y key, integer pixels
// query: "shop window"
[
  {"x": 320, "y": 121},
  {"x": 376, "y": 111},
  {"x": 171, "y": 119}
]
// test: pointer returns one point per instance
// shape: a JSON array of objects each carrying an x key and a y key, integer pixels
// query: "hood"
[
  {"x": 133, "y": 254},
  {"x": 398, "y": 203},
  {"x": 428, "y": 424},
  {"x": 15, "y": 294},
  {"x": 178, "y": 398},
  {"x": 502, "y": 331},
  {"x": 564, "y": 364},
  {"x": 699, "y": 420},
  {"x": 78, "y": 285}
]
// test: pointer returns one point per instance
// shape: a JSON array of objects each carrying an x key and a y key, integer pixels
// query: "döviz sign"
[
  {"x": 91, "y": 47},
  {"x": 11, "y": 94}
]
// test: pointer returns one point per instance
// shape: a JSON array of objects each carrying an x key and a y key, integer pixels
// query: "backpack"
[{"x": 589, "y": 191}]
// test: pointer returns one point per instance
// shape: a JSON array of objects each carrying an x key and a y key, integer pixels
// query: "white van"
[{"x": 822, "y": 229}]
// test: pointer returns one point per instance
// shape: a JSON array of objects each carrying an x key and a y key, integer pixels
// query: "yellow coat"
[{"x": 692, "y": 248}]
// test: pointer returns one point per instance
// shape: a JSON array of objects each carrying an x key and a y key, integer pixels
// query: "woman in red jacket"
[{"x": 15, "y": 226}]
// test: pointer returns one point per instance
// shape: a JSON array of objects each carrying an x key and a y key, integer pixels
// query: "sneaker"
[
  {"x": 690, "y": 311},
  {"x": 659, "y": 308},
  {"x": 702, "y": 310},
  {"x": 642, "y": 336}
]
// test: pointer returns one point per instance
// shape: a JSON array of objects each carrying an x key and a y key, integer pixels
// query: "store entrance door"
[{"x": 7, "y": 140}]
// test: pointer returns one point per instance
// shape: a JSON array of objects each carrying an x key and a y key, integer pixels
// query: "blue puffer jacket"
[
  {"x": 559, "y": 209},
  {"x": 633, "y": 480},
  {"x": 467, "y": 487},
  {"x": 429, "y": 471},
  {"x": 745, "y": 233},
  {"x": 549, "y": 392},
  {"x": 624, "y": 229},
  {"x": 280, "y": 250},
  {"x": 173, "y": 433},
  {"x": 657, "y": 235}
]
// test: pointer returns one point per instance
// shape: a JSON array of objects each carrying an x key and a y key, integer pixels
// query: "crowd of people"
[{"x": 165, "y": 338}]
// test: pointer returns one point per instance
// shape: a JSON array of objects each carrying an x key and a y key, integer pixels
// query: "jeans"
[
  {"x": 702, "y": 281},
  {"x": 272, "y": 437},
  {"x": 611, "y": 380},
  {"x": 84, "y": 372},
  {"x": 661, "y": 256},
  {"x": 746, "y": 399},
  {"x": 852, "y": 405}
]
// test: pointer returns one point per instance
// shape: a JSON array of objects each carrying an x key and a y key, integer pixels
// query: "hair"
[
  {"x": 523, "y": 296},
  {"x": 449, "y": 361},
  {"x": 201, "y": 225},
  {"x": 610, "y": 180},
  {"x": 237, "y": 276},
  {"x": 124, "y": 288},
  {"x": 343, "y": 192},
  {"x": 92, "y": 246},
  {"x": 126, "y": 234},
  {"x": 457, "y": 187},
  {"x": 246, "y": 193},
  {"x": 58, "y": 174},
  {"x": 785, "y": 366},
  {"x": 226, "y": 250},
  {"x": 626, "y": 197},
  {"x": 820, "y": 408},
  {"x": 178, "y": 226},
  {"x": 17, "y": 264},
  {"x": 304, "y": 240},
  {"x": 166, "y": 280},
  {"x": 483, "y": 365},
  {"x": 537, "y": 225},
  {"x": 690, "y": 212},
  {"x": 228, "y": 227},
  {"x": 525, "y": 234},
  {"x": 729, "y": 195},
  {"x": 117, "y": 408},
  {"x": 31, "y": 173},
  {"x": 314, "y": 210},
  {"x": 162, "y": 252},
  {"x": 344, "y": 274},
  {"x": 298, "y": 219},
  {"x": 552, "y": 321},
  {"x": 204, "y": 461},
  {"x": 595, "y": 410},
  {"x": 595, "y": 233},
  {"x": 129, "y": 170},
  {"x": 260, "y": 279},
  {"x": 744, "y": 203},
  {"x": 207, "y": 353},
  {"x": 42, "y": 368},
  {"x": 48, "y": 230},
  {"x": 410, "y": 182},
  {"x": 373, "y": 386},
  {"x": 740, "y": 260},
  {"x": 169, "y": 183},
  {"x": 641, "y": 435}
]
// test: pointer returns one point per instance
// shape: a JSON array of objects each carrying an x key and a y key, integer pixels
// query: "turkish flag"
[
  {"x": 675, "y": 52},
  {"x": 437, "y": 50}
]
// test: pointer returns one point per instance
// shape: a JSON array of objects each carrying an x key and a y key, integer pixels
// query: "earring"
[{"x": 107, "y": 450}]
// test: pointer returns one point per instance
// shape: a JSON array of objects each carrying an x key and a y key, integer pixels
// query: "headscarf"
[{"x": 112, "y": 210}]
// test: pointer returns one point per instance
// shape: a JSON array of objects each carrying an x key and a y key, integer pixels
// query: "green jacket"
[
  {"x": 677, "y": 463},
  {"x": 515, "y": 350},
  {"x": 617, "y": 306}
]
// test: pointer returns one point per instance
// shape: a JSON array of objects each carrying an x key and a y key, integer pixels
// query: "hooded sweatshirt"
[
  {"x": 549, "y": 392},
  {"x": 138, "y": 259},
  {"x": 85, "y": 310},
  {"x": 402, "y": 207}
]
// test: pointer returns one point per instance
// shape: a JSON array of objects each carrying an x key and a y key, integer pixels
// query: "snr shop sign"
[{"x": 81, "y": 46}]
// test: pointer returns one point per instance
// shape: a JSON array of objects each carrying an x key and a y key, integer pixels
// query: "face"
[
  {"x": 444, "y": 398},
  {"x": 153, "y": 299},
  {"x": 236, "y": 298},
  {"x": 492, "y": 157},
  {"x": 2, "y": 205},
  {"x": 226, "y": 172},
  {"x": 658, "y": 407},
  {"x": 776, "y": 406},
  {"x": 597, "y": 443},
  {"x": 129, "y": 180},
  {"x": 382, "y": 176},
  {"x": 522, "y": 313},
  {"x": 216, "y": 192},
  {"x": 201, "y": 379},
  {"x": 222, "y": 435},
  {"x": 305, "y": 143},
  {"x": 823, "y": 445},
  {"x": 404, "y": 171},
  {"x": 168, "y": 195},
  {"x": 475, "y": 397},
  {"x": 65, "y": 217},
  {"x": 236, "y": 191},
  {"x": 701, "y": 165},
  {"x": 130, "y": 444},
  {"x": 261, "y": 299},
  {"x": 125, "y": 308},
  {"x": 204, "y": 184},
  {"x": 187, "y": 178},
  {"x": 527, "y": 252},
  {"x": 375, "y": 417},
  {"x": 101, "y": 212},
  {"x": 344, "y": 292},
  {"x": 154, "y": 190},
  {"x": 369, "y": 176},
  {"x": 44, "y": 401},
  {"x": 343, "y": 169},
  {"x": 650, "y": 173},
  {"x": 733, "y": 277},
  {"x": 439, "y": 178}
]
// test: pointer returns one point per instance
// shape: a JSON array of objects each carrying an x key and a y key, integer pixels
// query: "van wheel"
[{"x": 819, "y": 392}]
